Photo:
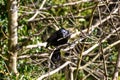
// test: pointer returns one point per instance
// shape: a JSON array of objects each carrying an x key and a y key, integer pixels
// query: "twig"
[
  {"x": 3, "y": 57},
  {"x": 71, "y": 74},
  {"x": 54, "y": 71},
  {"x": 94, "y": 46},
  {"x": 117, "y": 67},
  {"x": 96, "y": 25},
  {"x": 79, "y": 61},
  {"x": 57, "y": 18},
  {"x": 34, "y": 55},
  {"x": 91, "y": 73},
  {"x": 4, "y": 33},
  {"x": 104, "y": 50},
  {"x": 37, "y": 45},
  {"x": 104, "y": 62},
  {"x": 66, "y": 4},
  {"x": 37, "y": 11},
  {"x": 91, "y": 18}
]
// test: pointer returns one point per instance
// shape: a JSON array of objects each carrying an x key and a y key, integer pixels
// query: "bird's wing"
[{"x": 52, "y": 37}]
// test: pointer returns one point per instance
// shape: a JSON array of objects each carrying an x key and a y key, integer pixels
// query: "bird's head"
[{"x": 64, "y": 32}]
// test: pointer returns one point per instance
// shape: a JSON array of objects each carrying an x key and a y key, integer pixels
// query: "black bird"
[
  {"x": 56, "y": 56},
  {"x": 60, "y": 37}
]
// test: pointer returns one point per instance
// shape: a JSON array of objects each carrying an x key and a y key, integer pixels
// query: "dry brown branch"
[
  {"x": 3, "y": 57},
  {"x": 90, "y": 62},
  {"x": 37, "y": 45},
  {"x": 96, "y": 25},
  {"x": 104, "y": 63},
  {"x": 57, "y": 18},
  {"x": 92, "y": 73},
  {"x": 63, "y": 5},
  {"x": 84, "y": 31},
  {"x": 72, "y": 46},
  {"x": 116, "y": 71},
  {"x": 54, "y": 71},
  {"x": 37, "y": 11},
  {"x": 94, "y": 46},
  {"x": 66, "y": 4},
  {"x": 43, "y": 55}
]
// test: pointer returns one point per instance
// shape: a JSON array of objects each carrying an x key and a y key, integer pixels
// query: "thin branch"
[
  {"x": 66, "y": 4},
  {"x": 72, "y": 46},
  {"x": 104, "y": 50},
  {"x": 3, "y": 57},
  {"x": 37, "y": 12},
  {"x": 94, "y": 46},
  {"x": 37, "y": 45},
  {"x": 104, "y": 62},
  {"x": 33, "y": 55},
  {"x": 96, "y": 25},
  {"x": 91, "y": 73},
  {"x": 57, "y": 18},
  {"x": 79, "y": 61},
  {"x": 54, "y": 71}
]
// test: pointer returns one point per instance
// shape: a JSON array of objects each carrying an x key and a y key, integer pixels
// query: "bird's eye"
[{"x": 64, "y": 32}]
